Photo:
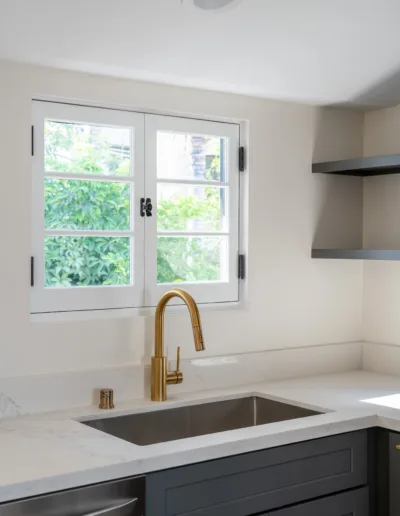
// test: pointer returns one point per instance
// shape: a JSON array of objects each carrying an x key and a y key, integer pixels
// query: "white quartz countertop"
[{"x": 54, "y": 451}]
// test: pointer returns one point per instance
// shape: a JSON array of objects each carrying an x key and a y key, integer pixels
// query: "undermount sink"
[{"x": 191, "y": 421}]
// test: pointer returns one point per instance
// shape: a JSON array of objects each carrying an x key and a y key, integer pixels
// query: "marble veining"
[
  {"x": 47, "y": 452},
  {"x": 8, "y": 407}
]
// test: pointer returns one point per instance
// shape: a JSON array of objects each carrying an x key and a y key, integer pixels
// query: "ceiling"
[{"x": 314, "y": 51}]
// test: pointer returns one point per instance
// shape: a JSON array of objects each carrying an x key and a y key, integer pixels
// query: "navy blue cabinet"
[{"x": 264, "y": 482}]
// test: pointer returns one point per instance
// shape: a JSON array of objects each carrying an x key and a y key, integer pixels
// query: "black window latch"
[{"x": 146, "y": 207}]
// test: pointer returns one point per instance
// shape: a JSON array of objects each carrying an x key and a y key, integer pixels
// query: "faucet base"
[{"x": 158, "y": 378}]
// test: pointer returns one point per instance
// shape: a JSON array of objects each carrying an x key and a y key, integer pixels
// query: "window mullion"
[
  {"x": 193, "y": 233},
  {"x": 88, "y": 177},
  {"x": 87, "y": 233},
  {"x": 214, "y": 184}
]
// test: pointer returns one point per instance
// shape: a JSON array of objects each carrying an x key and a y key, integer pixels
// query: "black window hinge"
[
  {"x": 32, "y": 141},
  {"x": 241, "y": 266},
  {"x": 32, "y": 271},
  {"x": 242, "y": 159}
]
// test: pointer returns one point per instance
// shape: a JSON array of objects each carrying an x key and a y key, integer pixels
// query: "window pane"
[
  {"x": 191, "y": 208},
  {"x": 191, "y": 259},
  {"x": 188, "y": 156},
  {"x": 87, "y": 149},
  {"x": 86, "y": 261},
  {"x": 97, "y": 205}
]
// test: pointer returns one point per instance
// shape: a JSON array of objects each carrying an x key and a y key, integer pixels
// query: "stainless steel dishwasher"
[{"x": 118, "y": 498}]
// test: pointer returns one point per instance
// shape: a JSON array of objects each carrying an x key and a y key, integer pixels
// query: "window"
[{"x": 128, "y": 205}]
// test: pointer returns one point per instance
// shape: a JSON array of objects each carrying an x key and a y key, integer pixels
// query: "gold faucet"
[{"x": 160, "y": 377}]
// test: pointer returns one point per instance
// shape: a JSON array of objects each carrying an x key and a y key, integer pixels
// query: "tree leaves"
[{"x": 76, "y": 204}]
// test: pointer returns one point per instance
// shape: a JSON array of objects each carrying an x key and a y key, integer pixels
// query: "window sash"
[
  {"x": 204, "y": 292},
  {"x": 60, "y": 299}
]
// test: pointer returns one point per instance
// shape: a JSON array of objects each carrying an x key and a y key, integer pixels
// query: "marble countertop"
[{"x": 54, "y": 451}]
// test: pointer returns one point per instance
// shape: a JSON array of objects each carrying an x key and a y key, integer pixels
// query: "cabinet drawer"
[
  {"x": 352, "y": 503},
  {"x": 261, "y": 481}
]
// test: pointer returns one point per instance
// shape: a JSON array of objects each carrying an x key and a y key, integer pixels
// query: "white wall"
[
  {"x": 338, "y": 215},
  {"x": 293, "y": 300},
  {"x": 381, "y": 304}
]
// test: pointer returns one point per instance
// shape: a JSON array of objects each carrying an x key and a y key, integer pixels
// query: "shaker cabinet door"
[{"x": 261, "y": 482}]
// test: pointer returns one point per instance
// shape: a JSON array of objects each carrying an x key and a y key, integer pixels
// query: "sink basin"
[{"x": 206, "y": 418}]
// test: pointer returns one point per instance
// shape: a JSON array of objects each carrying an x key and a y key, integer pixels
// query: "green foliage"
[
  {"x": 84, "y": 150},
  {"x": 188, "y": 259},
  {"x": 86, "y": 261},
  {"x": 96, "y": 205},
  {"x": 86, "y": 205}
]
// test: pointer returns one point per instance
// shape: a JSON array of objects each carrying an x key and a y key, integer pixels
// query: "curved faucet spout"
[{"x": 194, "y": 315}]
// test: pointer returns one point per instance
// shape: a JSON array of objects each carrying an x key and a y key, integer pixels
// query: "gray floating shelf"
[
  {"x": 360, "y": 167},
  {"x": 357, "y": 254}
]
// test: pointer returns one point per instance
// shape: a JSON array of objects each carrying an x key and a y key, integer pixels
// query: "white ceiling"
[{"x": 315, "y": 51}]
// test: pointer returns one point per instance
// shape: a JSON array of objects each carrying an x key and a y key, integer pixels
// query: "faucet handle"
[{"x": 174, "y": 377}]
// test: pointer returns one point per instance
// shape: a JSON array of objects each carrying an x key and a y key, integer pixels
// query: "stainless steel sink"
[{"x": 194, "y": 420}]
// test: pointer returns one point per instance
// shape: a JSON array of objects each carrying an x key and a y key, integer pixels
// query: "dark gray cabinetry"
[
  {"x": 387, "y": 460},
  {"x": 394, "y": 474},
  {"x": 389, "y": 473},
  {"x": 351, "y": 503},
  {"x": 263, "y": 481}
]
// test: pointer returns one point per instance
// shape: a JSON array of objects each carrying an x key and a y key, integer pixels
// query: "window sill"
[{"x": 124, "y": 313}]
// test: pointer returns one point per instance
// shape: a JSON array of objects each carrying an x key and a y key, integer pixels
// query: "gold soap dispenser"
[{"x": 106, "y": 399}]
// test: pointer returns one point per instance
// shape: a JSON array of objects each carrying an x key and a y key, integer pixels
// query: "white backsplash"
[
  {"x": 32, "y": 394},
  {"x": 381, "y": 358},
  {"x": 248, "y": 368}
]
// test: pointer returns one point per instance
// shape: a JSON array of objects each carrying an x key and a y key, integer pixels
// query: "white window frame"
[{"x": 145, "y": 292}]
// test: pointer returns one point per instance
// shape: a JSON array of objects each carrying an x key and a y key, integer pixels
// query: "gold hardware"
[
  {"x": 397, "y": 446},
  {"x": 178, "y": 358},
  {"x": 160, "y": 377},
  {"x": 106, "y": 399}
]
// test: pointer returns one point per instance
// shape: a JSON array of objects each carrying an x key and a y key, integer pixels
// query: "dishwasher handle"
[{"x": 117, "y": 510}]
